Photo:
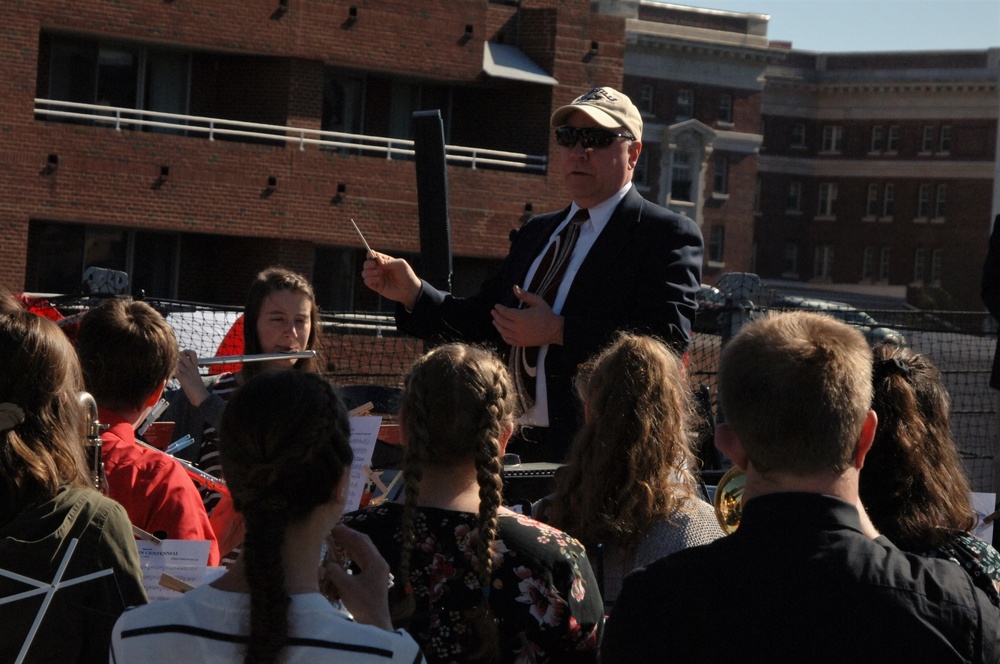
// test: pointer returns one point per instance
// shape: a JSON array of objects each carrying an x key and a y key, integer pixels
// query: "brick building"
[{"x": 259, "y": 128}]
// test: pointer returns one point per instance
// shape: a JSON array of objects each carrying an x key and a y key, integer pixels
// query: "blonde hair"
[
  {"x": 631, "y": 464},
  {"x": 796, "y": 387}
]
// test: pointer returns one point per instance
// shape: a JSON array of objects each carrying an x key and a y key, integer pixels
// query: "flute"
[
  {"x": 260, "y": 357},
  {"x": 208, "y": 481}
]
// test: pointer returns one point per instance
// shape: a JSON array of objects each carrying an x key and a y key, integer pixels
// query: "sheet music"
[
  {"x": 185, "y": 559},
  {"x": 364, "y": 433},
  {"x": 984, "y": 505}
]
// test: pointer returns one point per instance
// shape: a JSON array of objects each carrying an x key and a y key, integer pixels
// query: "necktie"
[{"x": 545, "y": 283}]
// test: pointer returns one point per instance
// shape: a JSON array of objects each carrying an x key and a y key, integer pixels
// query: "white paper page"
[
  {"x": 364, "y": 433},
  {"x": 983, "y": 504},
  {"x": 185, "y": 559}
]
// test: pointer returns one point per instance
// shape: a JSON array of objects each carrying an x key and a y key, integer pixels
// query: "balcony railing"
[{"x": 120, "y": 118}]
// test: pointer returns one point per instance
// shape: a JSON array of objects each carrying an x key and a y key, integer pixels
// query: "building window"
[
  {"x": 790, "y": 260},
  {"x": 927, "y": 144},
  {"x": 680, "y": 177},
  {"x": 716, "y": 244},
  {"x": 888, "y": 200},
  {"x": 720, "y": 179},
  {"x": 640, "y": 176},
  {"x": 868, "y": 263},
  {"x": 833, "y": 138},
  {"x": 937, "y": 258},
  {"x": 343, "y": 99},
  {"x": 918, "y": 265},
  {"x": 823, "y": 263},
  {"x": 827, "y": 200},
  {"x": 726, "y": 109},
  {"x": 923, "y": 201},
  {"x": 892, "y": 139},
  {"x": 876, "y": 140},
  {"x": 646, "y": 100},
  {"x": 883, "y": 264},
  {"x": 871, "y": 208},
  {"x": 685, "y": 105},
  {"x": 944, "y": 145},
  {"x": 798, "y": 135},
  {"x": 939, "y": 199},
  {"x": 794, "y": 203},
  {"x": 756, "y": 195}
]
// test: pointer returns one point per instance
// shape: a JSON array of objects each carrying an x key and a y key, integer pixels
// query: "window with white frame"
[
  {"x": 798, "y": 135},
  {"x": 685, "y": 105},
  {"x": 876, "y": 139},
  {"x": 883, "y": 264},
  {"x": 640, "y": 175},
  {"x": 646, "y": 99},
  {"x": 937, "y": 266},
  {"x": 888, "y": 200},
  {"x": 680, "y": 177},
  {"x": 923, "y": 201},
  {"x": 833, "y": 138},
  {"x": 927, "y": 144},
  {"x": 720, "y": 178},
  {"x": 716, "y": 244},
  {"x": 790, "y": 260},
  {"x": 827, "y": 200},
  {"x": 871, "y": 207},
  {"x": 918, "y": 265},
  {"x": 794, "y": 203},
  {"x": 939, "y": 200},
  {"x": 823, "y": 263},
  {"x": 868, "y": 263},
  {"x": 944, "y": 143},
  {"x": 892, "y": 139},
  {"x": 726, "y": 108}
]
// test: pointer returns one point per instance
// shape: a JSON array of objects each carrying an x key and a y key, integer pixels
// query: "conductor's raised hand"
[
  {"x": 365, "y": 592},
  {"x": 392, "y": 278},
  {"x": 533, "y": 325}
]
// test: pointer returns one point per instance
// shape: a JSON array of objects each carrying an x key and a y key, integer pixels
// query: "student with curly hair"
[
  {"x": 286, "y": 454},
  {"x": 628, "y": 491},
  {"x": 476, "y": 582},
  {"x": 913, "y": 485},
  {"x": 48, "y": 501}
]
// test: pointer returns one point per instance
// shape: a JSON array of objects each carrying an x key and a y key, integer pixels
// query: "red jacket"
[{"x": 153, "y": 488}]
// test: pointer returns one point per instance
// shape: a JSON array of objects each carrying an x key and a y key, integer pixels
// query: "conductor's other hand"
[
  {"x": 392, "y": 278},
  {"x": 533, "y": 325}
]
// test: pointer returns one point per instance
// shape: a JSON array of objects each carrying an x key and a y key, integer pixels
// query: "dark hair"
[
  {"x": 457, "y": 404},
  {"x": 912, "y": 484},
  {"x": 631, "y": 463},
  {"x": 41, "y": 378},
  {"x": 284, "y": 445},
  {"x": 277, "y": 278},
  {"x": 126, "y": 350}
]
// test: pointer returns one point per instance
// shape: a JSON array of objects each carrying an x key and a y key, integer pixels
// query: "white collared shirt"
[{"x": 600, "y": 214}]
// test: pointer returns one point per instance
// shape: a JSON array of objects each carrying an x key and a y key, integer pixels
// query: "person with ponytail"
[
  {"x": 50, "y": 510},
  {"x": 474, "y": 581},
  {"x": 913, "y": 485},
  {"x": 286, "y": 456}
]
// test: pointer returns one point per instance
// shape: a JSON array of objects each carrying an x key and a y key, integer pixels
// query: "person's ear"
[
  {"x": 866, "y": 439},
  {"x": 727, "y": 442},
  {"x": 154, "y": 397},
  {"x": 505, "y": 438},
  {"x": 634, "y": 150}
]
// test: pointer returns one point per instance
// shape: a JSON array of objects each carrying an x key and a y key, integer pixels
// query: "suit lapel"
[
  {"x": 612, "y": 240},
  {"x": 529, "y": 243}
]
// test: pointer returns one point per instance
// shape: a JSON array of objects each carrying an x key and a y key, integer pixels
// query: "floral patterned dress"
[
  {"x": 980, "y": 561},
  {"x": 544, "y": 594}
]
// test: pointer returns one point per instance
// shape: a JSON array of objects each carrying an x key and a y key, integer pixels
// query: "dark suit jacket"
[
  {"x": 991, "y": 292},
  {"x": 642, "y": 274}
]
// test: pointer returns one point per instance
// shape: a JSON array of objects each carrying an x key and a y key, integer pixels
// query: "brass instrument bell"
[{"x": 728, "y": 499}]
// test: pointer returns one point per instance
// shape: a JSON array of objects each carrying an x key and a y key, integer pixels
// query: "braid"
[
  {"x": 265, "y": 534},
  {"x": 417, "y": 437}
]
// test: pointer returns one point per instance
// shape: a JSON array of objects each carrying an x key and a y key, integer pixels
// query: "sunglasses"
[{"x": 589, "y": 138}]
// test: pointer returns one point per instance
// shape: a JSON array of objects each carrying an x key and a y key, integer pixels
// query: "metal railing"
[{"x": 120, "y": 118}]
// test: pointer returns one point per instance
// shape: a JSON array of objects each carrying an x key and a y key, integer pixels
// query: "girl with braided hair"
[
  {"x": 913, "y": 485},
  {"x": 285, "y": 452},
  {"x": 475, "y": 582}
]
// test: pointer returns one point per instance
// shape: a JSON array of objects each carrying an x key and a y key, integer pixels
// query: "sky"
[{"x": 874, "y": 25}]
